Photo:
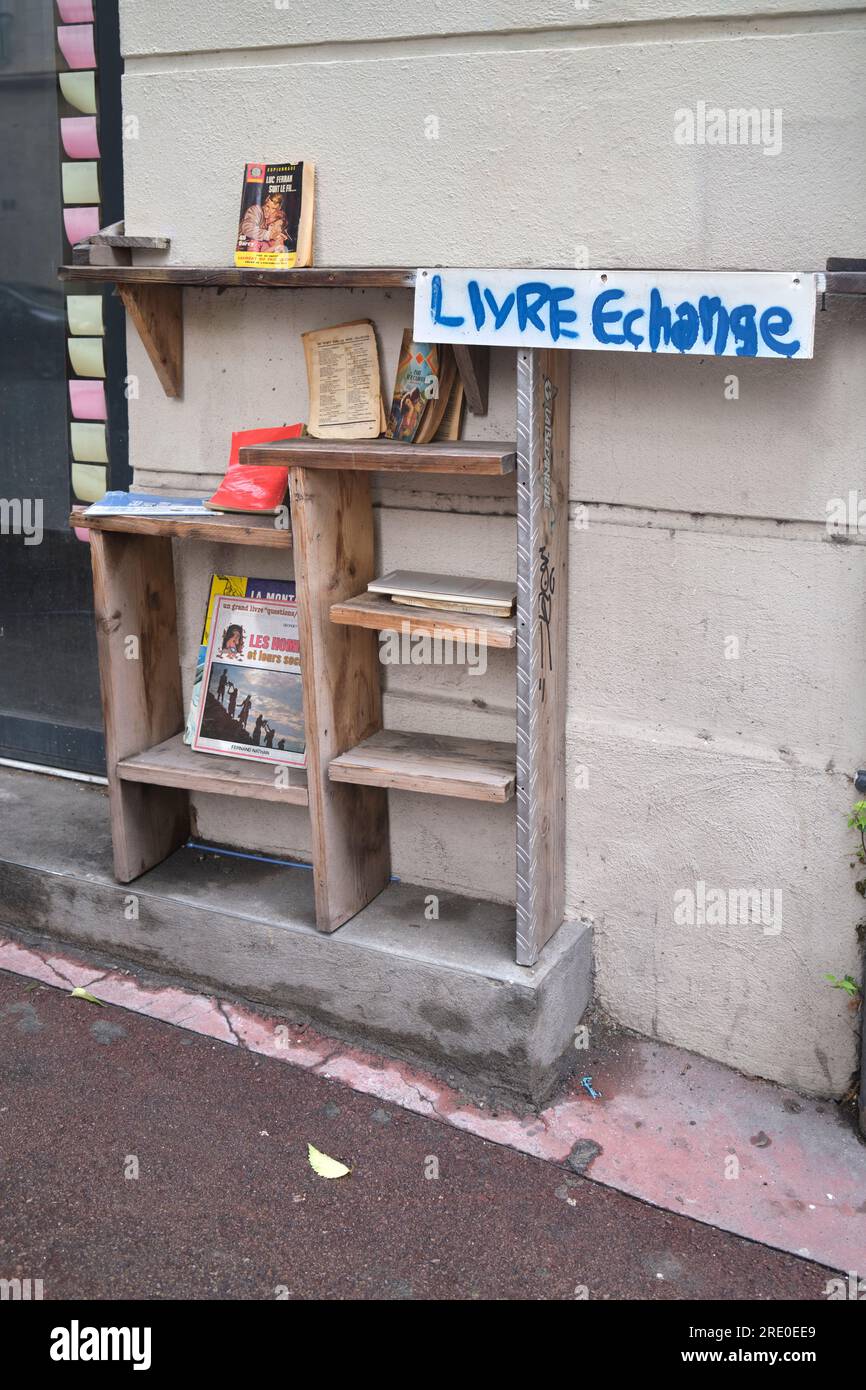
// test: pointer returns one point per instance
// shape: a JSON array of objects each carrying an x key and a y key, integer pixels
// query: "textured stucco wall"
[{"x": 705, "y": 516}]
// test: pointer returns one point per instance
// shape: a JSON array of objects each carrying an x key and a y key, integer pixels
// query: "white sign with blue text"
[{"x": 701, "y": 313}]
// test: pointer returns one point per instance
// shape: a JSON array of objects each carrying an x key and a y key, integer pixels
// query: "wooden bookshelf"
[
  {"x": 153, "y": 296},
  {"x": 174, "y": 764},
  {"x": 314, "y": 277},
  {"x": 353, "y": 763},
  {"x": 222, "y": 527},
  {"x": 475, "y": 769},
  {"x": 381, "y": 614},
  {"x": 477, "y": 458}
]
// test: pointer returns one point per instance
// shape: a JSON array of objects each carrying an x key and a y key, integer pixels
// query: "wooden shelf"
[
  {"x": 225, "y": 527},
  {"x": 312, "y": 277},
  {"x": 475, "y": 769},
  {"x": 173, "y": 764},
  {"x": 351, "y": 760},
  {"x": 471, "y": 457},
  {"x": 379, "y": 613}
]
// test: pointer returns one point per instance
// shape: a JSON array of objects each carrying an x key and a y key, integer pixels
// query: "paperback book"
[
  {"x": 415, "y": 386},
  {"x": 251, "y": 704},
  {"x": 343, "y": 378},
  {"x": 229, "y": 586},
  {"x": 255, "y": 488},
  {"x": 275, "y": 231}
]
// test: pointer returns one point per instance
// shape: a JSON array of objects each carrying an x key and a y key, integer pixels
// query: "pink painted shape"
[
  {"x": 47, "y": 966},
  {"x": 287, "y": 1042},
  {"x": 181, "y": 1007},
  {"x": 81, "y": 534},
  {"x": 80, "y": 223},
  {"x": 87, "y": 399},
  {"x": 76, "y": 45},
  {"x": 75, "y": 11},
  {"x": 80, "y": 140}
]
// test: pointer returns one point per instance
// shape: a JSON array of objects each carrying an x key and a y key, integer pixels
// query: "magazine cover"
[
  {"x": 275, "y": 231},
  {"x": 251, "y": 704},
  {"x": 233, "y": 586}
]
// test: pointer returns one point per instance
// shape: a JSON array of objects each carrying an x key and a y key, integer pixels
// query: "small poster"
[{"x": 252, "y": 705}]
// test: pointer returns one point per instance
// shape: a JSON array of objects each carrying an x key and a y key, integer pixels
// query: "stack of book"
[{"x": 492, "y": 598}]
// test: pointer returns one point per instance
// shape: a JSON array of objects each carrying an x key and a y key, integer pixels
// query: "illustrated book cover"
[
  {"x": 275, "y": 231},
  {"x": 414, "y": 388},
  {"x": 229, "y": 586},
  {"x": 251, "y": 703}
]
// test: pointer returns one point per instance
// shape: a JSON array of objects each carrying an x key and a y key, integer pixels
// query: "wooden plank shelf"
[
  {"x": 225, "y": 527},
  {"x": 382, "y": 615},
  {"x": 470, "y": 457},
  {"x": 174, "y": 764},
  {"x": 229, "y": 276},
  {"x": 475, "y": 769}
]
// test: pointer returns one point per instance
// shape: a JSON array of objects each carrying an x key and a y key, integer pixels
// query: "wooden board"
[
  {"x": 174, "y": 764},
  {"x": 475, "y": 769},
  {"x": 543, "y": 393},
  {"x": 157, "y": 312},
  {"x": 380, "y": 614},
  {"x": 311, "y": 277},
  {"x": 332, "y": 523},
  {"x": 225, "y": 527},
  {"x": 381, "y": 455},
  {"x": 473, "y": 364},
  {"x": 136, "y": 625}
]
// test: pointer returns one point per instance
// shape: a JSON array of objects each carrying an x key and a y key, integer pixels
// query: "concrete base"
[{"x": 443, "y": 992}]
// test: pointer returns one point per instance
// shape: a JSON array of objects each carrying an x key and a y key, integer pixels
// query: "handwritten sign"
[{"x": 701, "y": 313}]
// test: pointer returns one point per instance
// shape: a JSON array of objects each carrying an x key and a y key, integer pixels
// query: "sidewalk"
[{"x": 225, "y": 1204}]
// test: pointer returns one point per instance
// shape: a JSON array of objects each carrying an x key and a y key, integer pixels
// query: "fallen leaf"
[
  {"x": 326, "y": 1167},
  {"x": 79, "y": 993}
]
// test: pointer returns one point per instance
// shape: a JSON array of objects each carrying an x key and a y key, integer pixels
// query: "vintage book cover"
[
  {"x": 254, "y": 488},
  {"x": 232, "y": 586},
  {"x": 440, "y": 396},
  {"x": 343, "y": 377},
  {"x": 275, "y": 231},
  {"x": 415, "y": 384},
  {"x": 259, "y": 490},
  {"x": 251, "y": 704}
]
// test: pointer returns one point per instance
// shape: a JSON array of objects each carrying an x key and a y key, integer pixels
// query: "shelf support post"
[
  {"x": 332, "y": 534},
  {"x": 543, "y": 399},
  {"x": 136, "y": 628}
]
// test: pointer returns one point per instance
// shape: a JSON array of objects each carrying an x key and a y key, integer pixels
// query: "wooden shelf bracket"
[{"x": 157, "y": 312}]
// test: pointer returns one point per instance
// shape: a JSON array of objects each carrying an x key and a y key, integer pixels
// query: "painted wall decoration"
[
  {"x": 82, "y": 217},
  {"x": 700, "y": 313}
]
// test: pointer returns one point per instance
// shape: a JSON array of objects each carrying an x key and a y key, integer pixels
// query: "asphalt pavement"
[{"x": 140, "y": 1161}]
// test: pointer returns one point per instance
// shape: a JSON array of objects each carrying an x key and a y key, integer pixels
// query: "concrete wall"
[{"x": 698, "y": 518}]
